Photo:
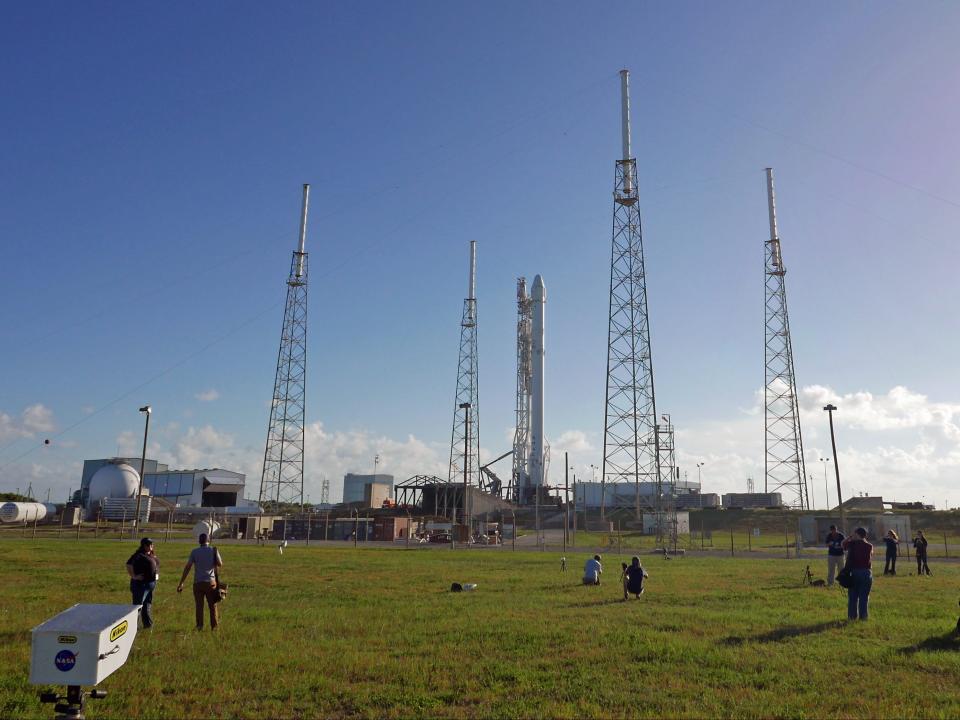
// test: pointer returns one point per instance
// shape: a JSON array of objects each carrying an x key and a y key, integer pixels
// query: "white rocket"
[{"x": 537, "y": 445}]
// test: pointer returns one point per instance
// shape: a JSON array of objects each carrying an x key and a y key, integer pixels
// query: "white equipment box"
[{"x": 82, "y": 645}]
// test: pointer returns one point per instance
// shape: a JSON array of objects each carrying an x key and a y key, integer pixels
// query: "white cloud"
[
  {"x": 207, "y": 395},
  {"x": 899, "y": 444},
  {"x": 203, "y": 447},
  {"x": 36, "y": 418},
  {"x": 572, "y": 441}
]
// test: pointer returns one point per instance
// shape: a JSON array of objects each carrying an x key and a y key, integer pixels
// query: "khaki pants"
[
  {"x": 834, "y": 565},
  {"x": 201, "y": 592}
]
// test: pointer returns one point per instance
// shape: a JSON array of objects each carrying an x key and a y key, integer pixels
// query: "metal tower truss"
[
  {"x": 282, "y": 479},
  {"x": 465, "y": 439},
  {"x": 666, "y": 500},
  {"x": 784, "y": 466},
  {"x": 520, "y": 479},
  {"x": 630, "y": 453}
]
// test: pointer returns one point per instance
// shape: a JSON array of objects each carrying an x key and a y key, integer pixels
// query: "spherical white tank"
[
  {"x": 18, "y": 512},
  {"x": 206, "y": 527},
  {"x": 113, "y": 481}
]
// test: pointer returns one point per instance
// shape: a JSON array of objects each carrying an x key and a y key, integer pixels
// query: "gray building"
[{"x": 354, "y": 486}]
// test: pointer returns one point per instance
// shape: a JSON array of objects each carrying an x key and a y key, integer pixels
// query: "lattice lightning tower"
[
  {"x": 630, "y": 452},
  {"x": 784, "y": 468},
  {"x": 282, "y": 479},
  {"x": 521, "y": 438},
  {"x": 465, "y": 439}
]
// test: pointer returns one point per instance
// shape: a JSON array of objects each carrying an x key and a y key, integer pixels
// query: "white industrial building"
[
  {"x": 109, "y": 487},
  {"x": 618, "y": 495}
]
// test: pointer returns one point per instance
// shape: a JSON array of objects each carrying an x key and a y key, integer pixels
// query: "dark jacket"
[{"x": 145, "y": 565}]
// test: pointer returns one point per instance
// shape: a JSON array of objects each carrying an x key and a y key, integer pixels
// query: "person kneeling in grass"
[
  {"x": 592, "y": 571},
  {"x": 633, "y": 577}
]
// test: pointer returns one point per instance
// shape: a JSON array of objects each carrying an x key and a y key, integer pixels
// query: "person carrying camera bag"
[
  {"x": 859, "y": 561},
  {"x": 206, "y": 562}
]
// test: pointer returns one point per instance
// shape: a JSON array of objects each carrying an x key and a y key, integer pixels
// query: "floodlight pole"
[
  {"x": 836, "y": 464},
  {"x": 143, "y": 461}
]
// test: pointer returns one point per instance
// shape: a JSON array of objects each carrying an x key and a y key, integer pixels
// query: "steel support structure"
[
  {"x": 630, "y": 447},
  {"x": 282, "y": 479},
  {"x": 520, "y": 478},
  {"x": 784, "y": 468},
  {"x": 465, "y": 440},
  {"x": 666, "y": 505}
]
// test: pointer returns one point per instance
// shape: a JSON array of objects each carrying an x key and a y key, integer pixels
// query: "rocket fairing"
[{"x": 536, "y": 465}]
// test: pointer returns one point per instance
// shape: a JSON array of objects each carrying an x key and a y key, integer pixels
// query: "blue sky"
[{"x": 151, "y": 176}]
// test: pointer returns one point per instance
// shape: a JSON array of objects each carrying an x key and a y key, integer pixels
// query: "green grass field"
[{"x": 333, "y": 632}]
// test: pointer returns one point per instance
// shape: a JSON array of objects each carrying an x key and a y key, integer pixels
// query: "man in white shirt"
[{"x": 592, "y": 571}]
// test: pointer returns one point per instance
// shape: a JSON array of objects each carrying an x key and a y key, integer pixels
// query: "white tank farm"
[
  {"x": 112, "y": 481},
  {"x": 206, "y": 527},
  {"x": 18, "y": 512}
]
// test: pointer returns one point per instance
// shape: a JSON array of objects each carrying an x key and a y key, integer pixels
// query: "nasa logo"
[
  {"x": 119, "y": 631},
  {"x": 65, "y": 661}
]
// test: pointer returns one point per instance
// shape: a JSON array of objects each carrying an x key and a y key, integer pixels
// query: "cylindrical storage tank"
[
  {"x": 206, "y": 527},
  {"x": 18, "y": 512}
]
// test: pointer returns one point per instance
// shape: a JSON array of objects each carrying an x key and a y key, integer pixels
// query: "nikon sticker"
[
  {"x": 119, "y": 631},
  {"x": 67, "y": 639}
]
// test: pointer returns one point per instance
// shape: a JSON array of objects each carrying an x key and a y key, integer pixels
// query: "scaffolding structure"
[
  {"x": 282, "y": 478},
  {"x": 465, "y": 438},
  {"x": 667, "y": 478},
  {"x": 630, "y": 446},
  {"x": 520, "y": 477},
  {"x": 784, "y": 468}
]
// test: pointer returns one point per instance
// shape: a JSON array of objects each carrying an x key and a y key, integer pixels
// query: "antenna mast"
[
  {"x": 630, "y": 442},
  {"x": 465, "y": 438},
  {"x": 783, "y": 442},
  {"x": 282, "y": 479}
]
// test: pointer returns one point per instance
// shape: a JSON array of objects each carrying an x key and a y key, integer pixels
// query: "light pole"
[
  {"x": 826, "y": 485},
  {"x": 700, "y": 484},
  {"x": 603, "y": 493},
  {"x": 836, "y": 465},
  {"x": 143, "y": 461}
]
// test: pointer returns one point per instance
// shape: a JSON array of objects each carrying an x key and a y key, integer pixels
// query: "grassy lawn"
[{"x": 332, "y": 632}]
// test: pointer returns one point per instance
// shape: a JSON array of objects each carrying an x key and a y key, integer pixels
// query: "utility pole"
[
  {"x": 143, "y": 459},
  {"x": 566, "y": 499}
]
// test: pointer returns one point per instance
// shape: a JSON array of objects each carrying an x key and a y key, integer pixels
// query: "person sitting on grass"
[
  {"x": 633, "y": 576},
  {"x": 592, "y": 571}
]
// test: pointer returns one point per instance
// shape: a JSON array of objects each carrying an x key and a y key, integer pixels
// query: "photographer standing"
[
  {"x": 859, "y": 560},
  {"x": 143, "y": 568},
  {"x": 834, "y": 553},
  {"x": 920, "y": 545},
  {"x": 205, "y": 560},
  {"x": 892, "y": 541}
]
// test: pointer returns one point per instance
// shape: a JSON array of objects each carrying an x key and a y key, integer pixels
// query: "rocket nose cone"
[{"x": 539, "y": 289}]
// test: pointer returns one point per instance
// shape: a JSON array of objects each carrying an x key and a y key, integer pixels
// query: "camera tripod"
[{"x": 75, "y": 702}]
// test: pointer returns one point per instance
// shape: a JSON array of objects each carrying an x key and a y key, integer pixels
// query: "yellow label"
[
  {"x": 119, "y": 631},
  {"x": 67, "y": 639}
]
